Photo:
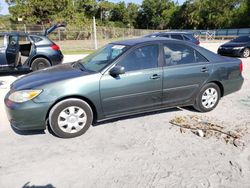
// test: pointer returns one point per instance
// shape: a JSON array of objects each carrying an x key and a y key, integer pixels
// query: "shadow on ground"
[
  {"x": 27, "y": 133},
  {"x": 37, "y": 186},
  {"x": 103, "y": 123}
]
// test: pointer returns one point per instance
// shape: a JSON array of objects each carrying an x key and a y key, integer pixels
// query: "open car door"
[
  {"x": 51, "y": 29},
  {"x": 12, "y": 51}
]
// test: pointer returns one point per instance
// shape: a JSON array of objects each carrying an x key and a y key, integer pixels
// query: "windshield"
[
  {"x": 102, "y": 57},
  {"x": 242, "y": 39}
]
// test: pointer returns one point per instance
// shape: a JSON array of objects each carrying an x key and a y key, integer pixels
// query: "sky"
[{"x": 4, "y": 5}]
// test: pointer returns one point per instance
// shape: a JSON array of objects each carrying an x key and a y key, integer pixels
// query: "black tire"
[
  {"x": 245, "y": 53},
  {"x": 40, "y": 63},
  {"x": 200, "y": 103},
  {"x": 57, "y": 116}
]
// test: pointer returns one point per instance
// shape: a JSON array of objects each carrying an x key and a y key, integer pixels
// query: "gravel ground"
[{"x": 137, "y": 151}]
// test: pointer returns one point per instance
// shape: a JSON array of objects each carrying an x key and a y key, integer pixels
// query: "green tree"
[{"x": 156, "y": 14}]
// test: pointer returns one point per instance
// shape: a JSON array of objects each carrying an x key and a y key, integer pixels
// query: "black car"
[
  {"x": 21, "y": 51},
  {"x": 186, "y": 36},
  {"x": 239, "y": 46}
]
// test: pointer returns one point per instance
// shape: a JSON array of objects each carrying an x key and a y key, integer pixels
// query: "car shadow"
[
  {"x": 137, "y": 116},
  {"x": 27, "y": 185},
  {"x": 27, "y": 133},
  {"x": 15, "y": 73}
]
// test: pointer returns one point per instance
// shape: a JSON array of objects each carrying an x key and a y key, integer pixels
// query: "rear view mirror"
[{"x": 117, "y": 70}]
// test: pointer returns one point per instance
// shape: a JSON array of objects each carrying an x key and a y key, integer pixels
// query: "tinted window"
[
  {"x": 164, "y": 35},
  {"x": 141, "y": 58},
  {"x": 179, "y": 54},
  {"x": 36, "y": 39},
  {"x": 13, "y": 40},
  {"x": 186, "y": 38},
  {"x": 178, "y": 37},
  {"x": 199, "y": 57},
  {"x": 242, "y": 39}
]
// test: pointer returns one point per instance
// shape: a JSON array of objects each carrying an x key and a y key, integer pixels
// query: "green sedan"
[{"x": 120, "y": 79}]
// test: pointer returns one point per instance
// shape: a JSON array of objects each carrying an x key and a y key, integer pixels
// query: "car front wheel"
[
  {"x": 246, "y": 53},
  {"x": 40, "y": 63},
  {"x": 208, "y": 98},
  {"x": 70, "y": 118}
]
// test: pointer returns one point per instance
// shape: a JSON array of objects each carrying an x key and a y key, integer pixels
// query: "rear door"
[
  {"x": 3, "y": 45},
  {"x": 12, "y": 51},
  {"x": 139, "y": 88},
  {"x": 185, "y": 71}
]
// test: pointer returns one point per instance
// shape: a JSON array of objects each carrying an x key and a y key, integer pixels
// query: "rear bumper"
[
  {"x": 56, "y": 58},
  {"x": 231, "y": 86},
  {"x": 28, "y": 115}
]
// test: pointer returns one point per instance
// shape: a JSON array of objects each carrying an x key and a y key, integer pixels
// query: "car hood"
[
  {"x": 47, "y": 76},
  {"x": 234, "y": 44}
]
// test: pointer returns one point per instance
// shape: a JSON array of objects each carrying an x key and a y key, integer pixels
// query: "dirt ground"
[{"x": 138, "y": 151}]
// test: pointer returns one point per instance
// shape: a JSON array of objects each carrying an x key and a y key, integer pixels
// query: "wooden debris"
[{"x": 204, "y": 128}]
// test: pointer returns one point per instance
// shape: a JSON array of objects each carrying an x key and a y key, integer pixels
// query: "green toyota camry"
[{"x": 120, "y": 79}]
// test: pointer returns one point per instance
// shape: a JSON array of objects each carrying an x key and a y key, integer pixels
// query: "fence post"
[
  {"x": 94, "y": 28},
  {"x": 25, "y": 29}
]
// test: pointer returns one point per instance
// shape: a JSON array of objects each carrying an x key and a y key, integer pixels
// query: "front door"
[
  {"x": 3, "y": 44},
  {"x": 185, "y": 71},
  {"x": 139, "y": 88},
  {"x": 12, "y": 51}
]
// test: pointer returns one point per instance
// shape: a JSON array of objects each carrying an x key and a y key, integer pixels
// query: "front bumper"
[
  {"x": 230, "y": 52},
  {"x": 28, "y": 115}
]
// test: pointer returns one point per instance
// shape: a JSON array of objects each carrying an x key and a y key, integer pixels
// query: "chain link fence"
[{"x": 82, "y": 38}]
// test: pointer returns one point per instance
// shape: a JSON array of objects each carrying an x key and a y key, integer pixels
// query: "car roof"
[
  {"x": 19, "y": 33},
  {"x": 132, "y": 42},
  {"x": 176, "y": 32}
]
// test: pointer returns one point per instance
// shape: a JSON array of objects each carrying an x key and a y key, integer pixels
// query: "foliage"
[{"x": 151, "y": 14}]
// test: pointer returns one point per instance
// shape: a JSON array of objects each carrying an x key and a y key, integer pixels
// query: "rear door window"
[
  {"x": 179, "y": 54},
  {"x": 178, "y": 37},
  {"x": 186, "y": 38}
]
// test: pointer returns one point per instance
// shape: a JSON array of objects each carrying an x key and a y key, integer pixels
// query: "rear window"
[{"x": 36, "y": 39}]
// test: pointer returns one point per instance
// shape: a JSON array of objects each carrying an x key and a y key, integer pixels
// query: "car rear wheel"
[
  {"x": 70, "y": 118},
  {"x": 246, "y": 53},
  {"x": 40, "y": 63},
  {"x": 208, "y": 98}
]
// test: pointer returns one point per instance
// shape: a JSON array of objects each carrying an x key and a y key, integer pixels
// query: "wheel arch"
[
  {"x": 90, "y": 103},
  {"x": 39, "y": 56},
  {"x": 220, "y": 86}
]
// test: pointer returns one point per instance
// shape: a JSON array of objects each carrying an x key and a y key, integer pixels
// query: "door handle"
[
  {"x": 155, "y": 77},
  {"x": 204, "y": 69}
]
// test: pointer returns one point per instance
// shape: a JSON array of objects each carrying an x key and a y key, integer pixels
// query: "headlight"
[
  {"x": 24, "y": 95},
  {"x": 238, "y": 48}
]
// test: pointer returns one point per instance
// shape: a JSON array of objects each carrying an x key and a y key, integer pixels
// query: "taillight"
[
  {"x": 55, "y": 47},
  {"x": 241, "y": 66}
]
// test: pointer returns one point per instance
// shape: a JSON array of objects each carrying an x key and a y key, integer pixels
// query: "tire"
[
  {"x": 206, "y": 104},
  {"x": 70, "y": 118},
  {"x": 245, "y": 53},
  {"x": 40, "y": 63}
]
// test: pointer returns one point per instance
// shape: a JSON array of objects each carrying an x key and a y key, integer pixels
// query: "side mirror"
[{"x": 117, "y": 70}]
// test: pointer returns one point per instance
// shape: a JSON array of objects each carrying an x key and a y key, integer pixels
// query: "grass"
[{"x": 78, "y": 51}]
